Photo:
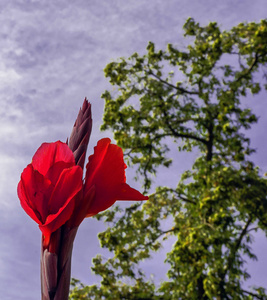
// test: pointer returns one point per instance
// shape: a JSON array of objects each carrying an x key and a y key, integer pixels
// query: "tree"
[{"x": 190, "y": 100}]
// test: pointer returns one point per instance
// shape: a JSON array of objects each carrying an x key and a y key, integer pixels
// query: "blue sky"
[{"x": 52, "y": 56}]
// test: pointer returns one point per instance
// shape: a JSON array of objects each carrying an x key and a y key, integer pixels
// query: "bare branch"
[
  {"x": 182, "y": 90},
  {"x": 254, "y": 63},
  {"x": 177, "y": 193},
  {"x": 238, "y": 242},
  {"x": 254, "y": 295},
  {"x": 175, "y": 133}
]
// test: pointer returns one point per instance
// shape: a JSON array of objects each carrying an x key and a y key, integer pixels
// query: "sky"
[{"x": 52, "y": 56}]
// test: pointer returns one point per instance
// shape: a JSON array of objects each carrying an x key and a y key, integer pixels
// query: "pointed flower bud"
[{"x": 80, "y": 134}]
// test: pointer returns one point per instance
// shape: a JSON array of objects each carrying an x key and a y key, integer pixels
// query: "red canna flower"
[
  {"x": 48, "y": 186},
  {"x": 50, "y": 189}
]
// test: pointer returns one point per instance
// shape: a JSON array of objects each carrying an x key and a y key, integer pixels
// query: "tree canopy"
[{"x": 190, "y": 100}]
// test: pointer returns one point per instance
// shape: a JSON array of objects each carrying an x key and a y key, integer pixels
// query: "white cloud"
[{"x": 8, "y": 77}]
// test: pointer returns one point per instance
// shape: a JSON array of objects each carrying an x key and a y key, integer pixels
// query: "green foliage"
[{"x": 192, "y": 100}]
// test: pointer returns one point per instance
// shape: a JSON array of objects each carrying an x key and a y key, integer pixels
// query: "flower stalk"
[{"x": 56, "y": 257}]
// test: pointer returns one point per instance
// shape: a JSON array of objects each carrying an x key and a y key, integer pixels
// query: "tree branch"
[
  {"x": 177, "y": 193},
  {"x": 237, "y": 245},
  {"x": 176, "y": 134},
  {"x": 253, "y": 294},
  {"x": 182, "y": 90},
  {"x": 255, "y": 61}
]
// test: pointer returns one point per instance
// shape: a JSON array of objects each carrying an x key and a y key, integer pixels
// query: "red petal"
[
  {"x": 106, "y": 171},
  {"x": 69, "y": 184},
  {"x": 81, "y": 208},
  {"x": 50, "y": 153},
  {"x": 34, "y": 192},
  {"x": 55, "y": 170},
  {"x": 106, "y": 165},
  {"x": 62, "y": 202},
  {"x": 54, "y": 221}
]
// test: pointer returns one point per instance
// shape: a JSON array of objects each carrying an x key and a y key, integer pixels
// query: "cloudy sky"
[{"x": 52, "y": 56}]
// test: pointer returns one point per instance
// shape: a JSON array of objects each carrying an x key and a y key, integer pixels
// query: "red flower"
[
  {"x": 51, "y": 190},
  {"x": 48, "y": 186}
]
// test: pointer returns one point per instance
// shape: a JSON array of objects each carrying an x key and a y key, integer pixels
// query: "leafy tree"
[{"x": 190, "y": 100}]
